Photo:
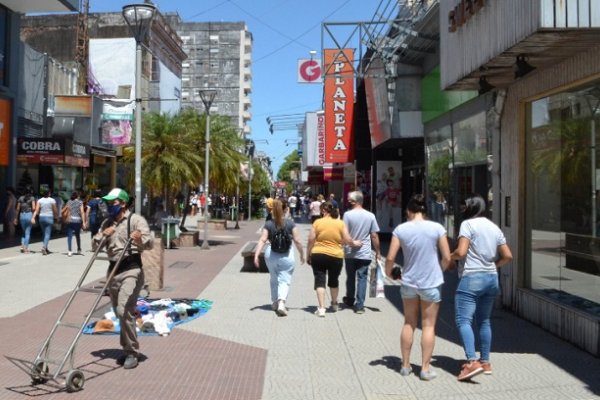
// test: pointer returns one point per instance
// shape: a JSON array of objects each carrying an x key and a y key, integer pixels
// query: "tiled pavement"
[{"x": 242, "y": 350}]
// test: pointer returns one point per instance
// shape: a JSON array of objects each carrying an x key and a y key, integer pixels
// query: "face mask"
[{"x": 114, "y": 210}]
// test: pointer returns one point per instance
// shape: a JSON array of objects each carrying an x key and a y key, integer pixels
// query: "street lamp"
[
  {"x": 139, "y": 19},
  {"x": 207, "y": 96}
]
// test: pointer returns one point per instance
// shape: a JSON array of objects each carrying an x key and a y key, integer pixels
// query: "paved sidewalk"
[{"x": 242, "y": 350}]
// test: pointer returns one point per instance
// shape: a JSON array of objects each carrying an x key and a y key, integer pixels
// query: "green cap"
[{"x": 115, "y": 194}]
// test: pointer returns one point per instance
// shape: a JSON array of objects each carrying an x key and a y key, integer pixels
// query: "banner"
[
  {"x": 5, "y": 114},
  {"x": 116, "y": 122},
  {"x": 339, "y": 104}
]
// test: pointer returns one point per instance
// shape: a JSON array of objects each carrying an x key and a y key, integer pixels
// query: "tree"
[
  {"x": 169, "y": 158},
  {"x": 290, "y": 167}
]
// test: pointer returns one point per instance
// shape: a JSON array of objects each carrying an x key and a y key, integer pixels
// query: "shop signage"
[
  {"x": 309, "y": 71},
  {"x": 339, "y": 104},
  {"x": 463, "y": 11},
  {"x": 331, "y": 173},
  {"x": 315, "y": 177},
  {"x": 321, "y": 138},
  {"x": 5, "y": 114},
  {"x": 52, "y": 151}
]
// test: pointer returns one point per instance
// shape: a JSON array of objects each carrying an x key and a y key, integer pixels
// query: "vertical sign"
[
  {"x": 5, "y": 113},
  {"x": 339, "y": 104}
]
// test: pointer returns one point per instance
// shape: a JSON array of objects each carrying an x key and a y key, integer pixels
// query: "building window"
[
  {"x": 3, "y": 45},
  {"x": 562, "y": 197},
  {"x": 155, "y": 69}
]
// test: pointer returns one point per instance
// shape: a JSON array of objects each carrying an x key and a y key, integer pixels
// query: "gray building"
[{"x": 219, "y": 57}]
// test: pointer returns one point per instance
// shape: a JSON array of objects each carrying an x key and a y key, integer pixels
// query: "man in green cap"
[{"x": 125, "y": 286}]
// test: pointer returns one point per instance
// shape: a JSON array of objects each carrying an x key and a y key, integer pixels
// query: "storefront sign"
[
  {"x": 5, "y": 113},
  {"x": 116, "y": 122},
  {"x": 315, "y": 177},
  {"x": 331, "y": 173},
  {"x": 339, "y": 104},
  {"x": 463, "y": 11},
  {"x": 309, "y": 71},
  {"x": 52, "y": 151},
  {"x": 321, "y": 138}
]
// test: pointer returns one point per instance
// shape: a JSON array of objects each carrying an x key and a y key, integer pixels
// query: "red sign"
[
  {"x": 309, "y": 71},
  {"x": 331, "y": 173},
  {"x": 339, "y": 104},
  {"x": 5, "y": 114}
]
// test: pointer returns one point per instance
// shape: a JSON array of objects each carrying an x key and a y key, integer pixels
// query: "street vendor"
[{"x": 125, "y": 286}]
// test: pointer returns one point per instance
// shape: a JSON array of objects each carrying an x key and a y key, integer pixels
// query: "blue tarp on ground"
[{"x": 155, "y": 316}]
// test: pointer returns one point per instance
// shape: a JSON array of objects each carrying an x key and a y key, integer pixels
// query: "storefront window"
[
  {"x": 563, "y": 206},
  {"x": 457, "y": 165},
  {"x": 438, "y": 152}
]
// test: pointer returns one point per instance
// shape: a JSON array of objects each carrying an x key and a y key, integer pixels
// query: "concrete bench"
[
  {"x": 248, "y": 253},
  {"x": 188, "y": 239},
  {"x": 216, "y": 224}
]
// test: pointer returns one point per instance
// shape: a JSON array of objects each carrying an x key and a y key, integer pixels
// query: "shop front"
[
  {"x": 56, "y": 164},
  {"x": 545, "y": 161}
]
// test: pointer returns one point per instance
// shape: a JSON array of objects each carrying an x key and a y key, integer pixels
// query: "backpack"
[
  {"x": 98, "y": 211},
  {"x": 282, "y": 241}
]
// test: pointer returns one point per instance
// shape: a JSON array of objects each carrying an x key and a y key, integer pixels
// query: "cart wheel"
[
  {"x": 74, "y": 380},
  {"x": 39, "y": 372}
]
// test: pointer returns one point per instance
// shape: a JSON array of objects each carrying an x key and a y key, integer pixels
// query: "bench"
[
  {"x": 216, "y": 224},
  {"x": 248, "y": 254},
  {"x": 188, "y": 239}
]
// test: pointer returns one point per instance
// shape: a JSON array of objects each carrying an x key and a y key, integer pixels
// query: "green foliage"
[{"x": 289, "y": 168}]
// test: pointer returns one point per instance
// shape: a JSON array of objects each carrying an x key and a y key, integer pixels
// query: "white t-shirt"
[
  {"x": 419, "y": 241},
  {"x": 484, "y": 237},
  {"x": 360, "y": 223},
  {"x": 46, "y": 206}
]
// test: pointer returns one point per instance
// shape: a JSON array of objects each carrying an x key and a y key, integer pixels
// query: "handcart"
[{"x": 71, "y": 379}]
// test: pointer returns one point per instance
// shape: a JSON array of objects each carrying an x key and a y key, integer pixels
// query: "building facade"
[
  {"x": 540, "y": 60},
  {"x": 219, "y": 56},
  {"x": 11, "y": 56}
]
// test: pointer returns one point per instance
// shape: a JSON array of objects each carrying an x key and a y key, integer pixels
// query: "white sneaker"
[
  {"x": 70, "y": 253},
  {"x": 320, "y": 312},
  {"x": 281, "y": 310}
]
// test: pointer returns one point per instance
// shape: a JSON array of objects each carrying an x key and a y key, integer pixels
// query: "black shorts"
[{"x": 326, "y": 270}]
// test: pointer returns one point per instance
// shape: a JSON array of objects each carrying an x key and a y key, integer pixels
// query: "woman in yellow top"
[{"x": 325, "y": 254}]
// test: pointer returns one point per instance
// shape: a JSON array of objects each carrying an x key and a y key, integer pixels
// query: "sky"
[{"x": 283, "y": 31}]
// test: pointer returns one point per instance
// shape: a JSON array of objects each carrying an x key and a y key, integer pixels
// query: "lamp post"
[
  {"x": 207, "y": 96},
  {"x": 139, "y": 19}
]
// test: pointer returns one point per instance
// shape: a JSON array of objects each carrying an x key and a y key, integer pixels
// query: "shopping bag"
[{"x": 376, "y": 276}]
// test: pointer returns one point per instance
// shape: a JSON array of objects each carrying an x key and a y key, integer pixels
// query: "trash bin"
[{"x": 170, "y": 230}]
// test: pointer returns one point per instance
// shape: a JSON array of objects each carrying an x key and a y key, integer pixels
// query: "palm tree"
[{"x": 170, "y": 159}]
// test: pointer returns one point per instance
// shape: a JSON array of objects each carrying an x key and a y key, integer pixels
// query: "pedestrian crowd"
[{"x": 351, "y": 242}]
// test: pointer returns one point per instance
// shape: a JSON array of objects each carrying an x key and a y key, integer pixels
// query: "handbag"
[{"x": 65, "y": 214}]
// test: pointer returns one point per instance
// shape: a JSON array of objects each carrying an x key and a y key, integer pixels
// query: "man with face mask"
[{"x": 125, "y": 286}]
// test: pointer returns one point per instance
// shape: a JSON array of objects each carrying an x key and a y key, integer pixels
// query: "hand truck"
[{"x": 72, "y": 379}]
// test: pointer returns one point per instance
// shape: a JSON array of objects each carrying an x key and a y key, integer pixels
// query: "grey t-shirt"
[
  {"x": 484, "y": 237},
  {"x": 360, "y": 223},
  {"x": 419, "y": 241}
]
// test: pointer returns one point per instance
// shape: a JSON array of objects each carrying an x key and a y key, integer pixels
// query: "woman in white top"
[
  {"x": 76, "y": 221},
  {"x": 481, "y": 251},
  {"x": 48, "y": 212},
  {"x": 422, "y": 279}
]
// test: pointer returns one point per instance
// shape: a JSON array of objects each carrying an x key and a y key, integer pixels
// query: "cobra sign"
[{"x": 309, "y": 71}]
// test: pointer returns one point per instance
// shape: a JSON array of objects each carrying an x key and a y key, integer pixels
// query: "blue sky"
[{"x": 283, "y": 32}]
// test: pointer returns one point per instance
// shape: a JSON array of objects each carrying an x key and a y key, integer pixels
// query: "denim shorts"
[{"x": 432, "y": 295}]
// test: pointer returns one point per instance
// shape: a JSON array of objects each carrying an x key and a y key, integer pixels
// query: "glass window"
[
  {"x": 563, "y": 179},
  {"x": 3, "y": 45},
  {"x": 438, "y": 150}
]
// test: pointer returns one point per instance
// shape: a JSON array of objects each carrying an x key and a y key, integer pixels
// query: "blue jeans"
[
  {"x": 46, "y": 222},
  {"x": 475, "y": 296},
  {"x": 74, "y": 228},
  {"x": 356, "y": 268},
  {"x": 281, "y": 268},
  {"x": 25, "y": 220}
]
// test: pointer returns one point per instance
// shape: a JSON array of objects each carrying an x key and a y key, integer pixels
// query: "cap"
[
  {"x": 115, "y": 194},
  {"x": 104, "y": 325}
]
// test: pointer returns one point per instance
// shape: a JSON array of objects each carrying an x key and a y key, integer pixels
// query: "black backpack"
[{"x": 281, "y": 241}]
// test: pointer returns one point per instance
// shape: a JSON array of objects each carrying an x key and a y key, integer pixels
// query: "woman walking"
[
  {"x": 75, "y": 221},
  {"x": 279, "y": 260},
  {"x": 481, "y": 250},
  {"x": 325, "y": 254},
  {"x": 25, "y": 207},
  {"x": 422, "y": 279},
  {"x": 48, "y": 212}
]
